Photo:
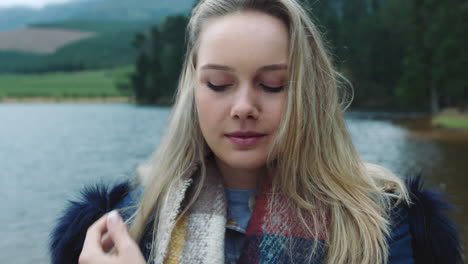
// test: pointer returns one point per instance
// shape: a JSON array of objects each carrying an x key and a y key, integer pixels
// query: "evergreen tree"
[
  {"x": 451, "y": 56},
  {"x": 139, "y": 78},
  {"x": 161, "y": 53},
  {"x": 435, "y": 63},
  {"x": 173, "y": 50},
  {"x": 380, "y": 45},
  {"x": 325, "y": 16}
]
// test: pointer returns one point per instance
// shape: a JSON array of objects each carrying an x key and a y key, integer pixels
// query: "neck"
[{"x": 243, "y": 179}]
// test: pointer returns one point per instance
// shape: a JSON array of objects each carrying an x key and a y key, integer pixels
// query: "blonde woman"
[{"x": 256, "y": 165}]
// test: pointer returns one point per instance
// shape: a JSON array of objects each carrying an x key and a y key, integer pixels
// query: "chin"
[{"x": 243, "y": 161}]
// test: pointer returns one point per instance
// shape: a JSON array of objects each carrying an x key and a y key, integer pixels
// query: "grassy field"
[
  {"x": 87, "y": 84},
  {"x": 451, "y": 119}
]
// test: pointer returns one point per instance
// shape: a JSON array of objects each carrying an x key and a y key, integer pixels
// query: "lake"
[{"x": 48, "y": 152}]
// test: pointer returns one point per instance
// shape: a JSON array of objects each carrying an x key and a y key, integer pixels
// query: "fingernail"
[{"x": 113, "y": 218}]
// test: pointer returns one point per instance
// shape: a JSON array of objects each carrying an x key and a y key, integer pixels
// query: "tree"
[
  {"x": 418, "y": 82},
  {"x": 173, "y": 50},
  {"x": 355, "y": 45},
  {"x": 379, "y": 47},
  {"x": 326, "y": 17},
  {"x": 450, "y": 56},
  {"x": 160, "y": 59},
  {"x": 368, "y": 40},
  {"x": 436, "y": 62}
]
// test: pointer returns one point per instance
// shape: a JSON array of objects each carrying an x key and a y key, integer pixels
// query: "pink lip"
[{"x": 245, "y": 138}]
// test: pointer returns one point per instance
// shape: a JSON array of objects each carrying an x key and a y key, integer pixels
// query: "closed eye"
[
  {"x": 217, "y": 88},
  {"x": 272, "y": 89}
]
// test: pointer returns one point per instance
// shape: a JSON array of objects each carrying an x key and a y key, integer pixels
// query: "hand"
[{"x": 108, "y": 242}]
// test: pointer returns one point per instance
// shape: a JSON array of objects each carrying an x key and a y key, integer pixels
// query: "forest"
[{"x": 398, "y": 55}]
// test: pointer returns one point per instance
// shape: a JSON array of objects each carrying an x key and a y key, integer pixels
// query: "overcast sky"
[{"x": 30, "y": 3}]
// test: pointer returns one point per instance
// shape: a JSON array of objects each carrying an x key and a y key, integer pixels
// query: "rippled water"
[{"x": 49, "y": 151}]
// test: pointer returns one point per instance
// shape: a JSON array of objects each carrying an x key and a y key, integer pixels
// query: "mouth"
[
  {"x": 245, "y": 134},
  {"x": 245, "y": 138}
]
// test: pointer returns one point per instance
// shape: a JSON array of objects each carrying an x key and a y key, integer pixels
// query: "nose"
[{"x": 245, "y": 104}]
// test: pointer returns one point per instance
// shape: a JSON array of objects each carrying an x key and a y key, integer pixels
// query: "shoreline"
[
  {"x": 451, "y": 119},
  {"x": 13, "y": 100}
]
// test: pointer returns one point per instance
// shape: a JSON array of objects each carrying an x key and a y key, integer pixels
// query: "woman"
[{"x": 256, "y": 165}]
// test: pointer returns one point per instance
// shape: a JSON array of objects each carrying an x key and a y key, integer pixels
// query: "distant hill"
[
  {"x": 126, "y": 10},
  {"x": 108, "y": 28},
  {"x": 91, "y": 45},
  {"x": 100, "y": 26},
  {"x": 40, "y": 40}
]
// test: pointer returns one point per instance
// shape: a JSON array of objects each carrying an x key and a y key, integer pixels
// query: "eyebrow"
[{"x": 271, "y": 67}]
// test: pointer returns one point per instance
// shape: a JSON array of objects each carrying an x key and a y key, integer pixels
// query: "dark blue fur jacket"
[{"x": 435, "y": 238}]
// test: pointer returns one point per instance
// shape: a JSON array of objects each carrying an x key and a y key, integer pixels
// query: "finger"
[
  {"x": 118, "y": 232},
  {"x": 94, "y": 234}
]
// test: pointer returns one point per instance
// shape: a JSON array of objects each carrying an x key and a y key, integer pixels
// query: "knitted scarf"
[{"x": 273, "y": 236}]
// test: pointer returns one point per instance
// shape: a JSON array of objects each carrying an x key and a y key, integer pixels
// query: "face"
[{"x": 240, "y": 92}]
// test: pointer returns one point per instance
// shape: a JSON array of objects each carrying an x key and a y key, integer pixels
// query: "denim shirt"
[{"x": 240, "y": 206}]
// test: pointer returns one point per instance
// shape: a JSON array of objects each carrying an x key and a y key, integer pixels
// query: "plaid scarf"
[{"x": 273, "y": 236}]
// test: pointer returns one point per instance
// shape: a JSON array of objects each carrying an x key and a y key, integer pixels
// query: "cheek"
[
  {"x": 202, "y": 107},
  {"x": 275, "y": 110},
  {"x": 208, "y": 110}
]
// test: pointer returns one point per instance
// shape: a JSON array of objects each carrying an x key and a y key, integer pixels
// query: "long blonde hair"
[{"x": 314, "y": 157}]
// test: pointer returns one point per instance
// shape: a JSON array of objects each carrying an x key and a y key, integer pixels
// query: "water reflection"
[{"x": 448, "y": 169}]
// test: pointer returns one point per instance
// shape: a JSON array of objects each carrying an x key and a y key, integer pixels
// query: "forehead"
[{"x": 242, "y": 39}]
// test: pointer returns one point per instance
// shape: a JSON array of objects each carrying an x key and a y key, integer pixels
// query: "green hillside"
[
  {"x": 116, "y": 22},
  {"x": 111, "y": 47},
  {"x": 99, "y": 83}
]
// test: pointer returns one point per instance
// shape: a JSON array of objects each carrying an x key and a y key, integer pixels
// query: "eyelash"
[{"x": 220, "y": 88}]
